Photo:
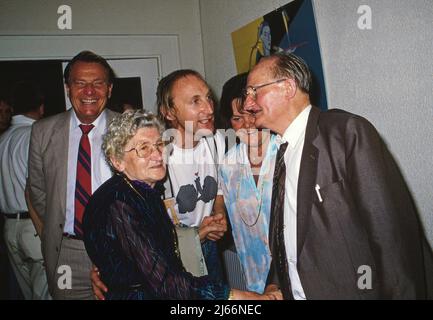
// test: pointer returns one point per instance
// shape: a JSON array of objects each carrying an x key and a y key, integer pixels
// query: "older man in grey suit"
[
  {"x": 343, "y": 225},
  {"x": 66, "y": 165}
]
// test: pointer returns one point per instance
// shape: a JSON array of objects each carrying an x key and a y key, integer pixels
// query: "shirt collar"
[
  {"x": 75, "y": 122},
  {"x": 21, "y": 119},
  {"x": 294, "y": 131}
]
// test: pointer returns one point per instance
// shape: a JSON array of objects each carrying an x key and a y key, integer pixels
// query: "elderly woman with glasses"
[{"x": 127, "y": 231}]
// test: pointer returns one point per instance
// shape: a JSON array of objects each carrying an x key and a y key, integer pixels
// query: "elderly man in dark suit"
[
  {"x": 66, "y": 165},
  {"x": 343, "y": 225}
]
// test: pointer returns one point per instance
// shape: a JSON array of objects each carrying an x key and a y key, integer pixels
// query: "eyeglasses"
[
  {"x": 145, "y": 149},
  {"x": 252, "y": 90}
]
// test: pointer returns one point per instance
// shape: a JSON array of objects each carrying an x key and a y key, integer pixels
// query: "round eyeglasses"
[
  {"x": 145, "y": 149},
  {"x": 251, "y": 91}
]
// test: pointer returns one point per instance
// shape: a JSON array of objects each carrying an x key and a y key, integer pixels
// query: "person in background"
[
  {"x": 246, "y": 176},
  {"x": 127, "y": 106},
  {"x": 122, "y": 107},
  {"x": 343, "y": 224},
  {"x": 128, "y": 233},
  {"x": 22, "y": 241},
  {"x": 5, "y": 269},
  {"x": 5, "y": 114},
  {"x": 66, "y": 165}
]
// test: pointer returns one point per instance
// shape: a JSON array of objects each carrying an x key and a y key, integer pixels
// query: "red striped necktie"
[{"x": 83, "y": 186}]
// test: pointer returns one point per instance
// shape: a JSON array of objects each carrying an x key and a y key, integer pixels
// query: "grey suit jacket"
[
  {"x": 367, "y": 217},
  {"x": 47, "y": 178}
]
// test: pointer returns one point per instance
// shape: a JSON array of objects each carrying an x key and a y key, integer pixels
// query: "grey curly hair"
[{"x": 123, "y": 127}]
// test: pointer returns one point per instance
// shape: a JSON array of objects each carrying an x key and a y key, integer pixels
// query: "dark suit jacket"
[
  {"x": 367, "y": 216},
  {"x": 48, "y": 164}
]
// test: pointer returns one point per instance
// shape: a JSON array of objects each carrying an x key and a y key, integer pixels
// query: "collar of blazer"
[{"x": 58, "y": 145}]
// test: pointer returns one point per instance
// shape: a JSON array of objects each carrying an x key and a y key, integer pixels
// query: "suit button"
[
  {"x": 61, "y": 226},
  {"x": 57, "y": 249}
]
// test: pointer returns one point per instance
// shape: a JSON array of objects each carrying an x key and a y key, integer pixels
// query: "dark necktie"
[
  {"x": 83, "y": 186},
  {"x": 277, "y": 222}
]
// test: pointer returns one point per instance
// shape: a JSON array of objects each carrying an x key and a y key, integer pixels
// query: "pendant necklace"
[
  {"x": 259, "y": 206},
  {"x": 176, "y": 244}
]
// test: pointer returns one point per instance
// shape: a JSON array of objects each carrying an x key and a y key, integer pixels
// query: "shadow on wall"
[{"x": 427, "y": 250}]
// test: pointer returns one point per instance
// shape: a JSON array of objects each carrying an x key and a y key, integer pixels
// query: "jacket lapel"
[
  {"x": 307, "y": 179},
  {"x": 60, "y": 141}
]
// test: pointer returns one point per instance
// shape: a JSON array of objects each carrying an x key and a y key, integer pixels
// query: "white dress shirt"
[
  {"x": 14, "y": 153},
  {"x": 100, "y": 169},
  {"x": 295, "y": 136}
]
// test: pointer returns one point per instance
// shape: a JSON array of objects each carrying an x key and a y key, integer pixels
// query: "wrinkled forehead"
[
  {"x": 190, "y": 81},
  {"x": 82, "y": 69},
  {"x": 188, "y": 87},
  {"x": 261, "y": 73},
  {"x": 148, "y": 134}
]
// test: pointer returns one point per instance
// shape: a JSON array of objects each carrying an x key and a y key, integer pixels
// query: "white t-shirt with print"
[{"x": 193, "y": 174}]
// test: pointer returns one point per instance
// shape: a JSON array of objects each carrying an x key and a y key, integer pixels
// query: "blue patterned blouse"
[
  {"x": 249, "y": 206},
  {"x": 129, "y": 236}
]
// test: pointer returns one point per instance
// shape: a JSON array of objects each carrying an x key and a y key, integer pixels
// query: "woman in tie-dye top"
[{"x": 247, "y": 176}]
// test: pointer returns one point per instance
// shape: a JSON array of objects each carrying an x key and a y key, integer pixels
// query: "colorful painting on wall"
[{"x": 290, "y": 29}]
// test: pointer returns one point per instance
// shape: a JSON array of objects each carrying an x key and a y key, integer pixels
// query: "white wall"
[
  {"x": 110, "y": 17},
  {"x": 384, "y": 74}
]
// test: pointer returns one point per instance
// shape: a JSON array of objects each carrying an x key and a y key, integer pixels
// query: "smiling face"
[
  {"x": 88, "y": 90},
  {"x": 193, "y": 110},
  {"x": 271, "y": 103},
  {"x": 150, "y": 169}
]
